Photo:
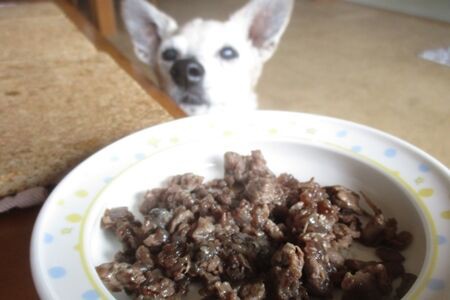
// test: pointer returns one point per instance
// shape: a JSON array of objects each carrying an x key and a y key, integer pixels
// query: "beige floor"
[
  {"x": 434, "y": 9},
  {"x": 352, "y": 62}
]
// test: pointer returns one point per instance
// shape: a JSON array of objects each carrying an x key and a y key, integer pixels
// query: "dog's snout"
[{"x": 187, "y": 72}]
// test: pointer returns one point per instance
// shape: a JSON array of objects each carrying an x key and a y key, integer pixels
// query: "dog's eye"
[
  {"x": 228, "y": 53},
  {"x": 170, "y": 54}
]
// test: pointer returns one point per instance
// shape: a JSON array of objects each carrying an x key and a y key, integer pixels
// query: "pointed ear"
[
  {"x": 146, "y": 26},
  {"x": 265, "y": 22}
]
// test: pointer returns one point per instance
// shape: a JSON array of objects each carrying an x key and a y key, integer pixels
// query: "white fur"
[{"x": 254, "y": 32}]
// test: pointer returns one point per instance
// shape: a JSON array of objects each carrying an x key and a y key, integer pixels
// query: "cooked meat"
[
  {"x": 224, "y": 291},
  {"x": 174, "y": 260},
  {"x": 344, "y": 235},
  {"x": 273, "y": 230},
  {"x": 389, "y": 254},
  {"x": 400, "y": 241},
  {"x": 354, "y": 265},
  {"x": 408, "y": 280},
  {"x": 253, "y": 291},
  {"x": 287, "y": 268},
  {"x": 181, "y": 215},
  {"x": 156, "y": 286},
  {"x": 112, "y": 216},
  {"x": 118, "y": 276},
  {"x": 264, "y": 190},
  {"x": 317, "y": 266},
  {"x": 395, "y": 269},
  {"x": 344, "y": 198},
  {"x": 157, "y": 238},
  {"x": 240, "y": 169},
  {"x": 253, "y": 235},
  {"x": 373, "y": 233},
  {"x": 144, "y": 257},
  {"x": 203, "y": 230},
  {"x": 129, "y": 232},
  {"x": 157, "y": 217},
  {"x": 361, "y": 285}
]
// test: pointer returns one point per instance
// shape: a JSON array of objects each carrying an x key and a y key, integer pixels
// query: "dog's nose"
[{"x": 187, "y": 72}]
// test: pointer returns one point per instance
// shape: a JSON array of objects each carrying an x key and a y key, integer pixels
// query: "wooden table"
[{"x": 16, "y": 226}]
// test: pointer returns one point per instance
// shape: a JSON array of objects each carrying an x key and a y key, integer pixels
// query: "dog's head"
[{"x": 208, "y": 65}]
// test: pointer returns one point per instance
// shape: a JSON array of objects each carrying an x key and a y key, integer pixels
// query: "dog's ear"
[
  {"x": 146, "y": 25},
  {"x": 265, "y": 22}
]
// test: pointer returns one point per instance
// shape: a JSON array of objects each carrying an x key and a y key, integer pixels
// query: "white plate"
[{"x": 406, "y": 182}]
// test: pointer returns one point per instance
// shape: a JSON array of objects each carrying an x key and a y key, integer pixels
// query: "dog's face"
[{"x": 208, "y": 65}]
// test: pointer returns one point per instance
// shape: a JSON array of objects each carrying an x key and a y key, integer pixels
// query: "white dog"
[{"x": 205, "y": 65}]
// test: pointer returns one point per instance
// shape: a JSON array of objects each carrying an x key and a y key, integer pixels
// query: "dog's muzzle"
[{"x": 187, "y": 73}]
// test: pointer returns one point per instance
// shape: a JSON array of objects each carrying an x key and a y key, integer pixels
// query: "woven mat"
[{"x": 61, "y": 99}]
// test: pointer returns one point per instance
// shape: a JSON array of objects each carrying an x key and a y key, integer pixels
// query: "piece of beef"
[
  {"x": 204, "y": 229},
  {"x": 344, "y": 198},
  {"x": 157, "y": 286},
  {"x": 389, "y": 254},
  {"x": 264, "y": 190},
  {"x": 253, "y": 291},
  {"x": 180, "y": 215},
  {"x": 120, "y": 276},
  {"x": 224, "y": 291},
  {"x": 407, "y": 281},
  {"x": 239, "y": 169},
  {"x": 361, "y": 285},
  {"x": 400, "y": 241},
  {"x": 112, "y": 216},
  {"x": 159, "y": 237},
  {"x": 130, "y": 233},
  {"x": 156, "y": 217},
  {"x": 175, "y": 260},
  {"x": 317, "y": 266},
  {"x": 287, "y": 269}
]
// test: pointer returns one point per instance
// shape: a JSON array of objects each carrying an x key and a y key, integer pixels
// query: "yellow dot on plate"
[
  {"x": 426, "y": 192},
  {"x": 81, "y": 193},
  {"x": 174, "y": 140},
  {"x": 311, "y": 131},
  {"x": 66, "y": 230},
  {"x": 77, "y": 247},
  {"x": 228, "y": 133},
  {"x": 419, "y": 180},
  {"x": 154, "y": 142},
  {"x": 446, "y": 214},
  {"x": 73, "y": 218},
  {"x": 273, "y": 131},
  {"x": 60, "y": 202},
  {"x": 395, "y": 173}
]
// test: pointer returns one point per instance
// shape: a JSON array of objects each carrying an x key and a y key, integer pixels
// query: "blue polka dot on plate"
[
  {"x": 390, "y": 152},
  {"x": 107, "y": 179},
  {"x": 441, "y": 239},
  {"x": 341, "y": 133},
  {"x": 424, "y": 168},
  {"x": 90, "y": 295},
  {"x": 57, "y": 272},
  {"x": 48, "y": 238},
  {"x": 436, "y": 284},
  {"x": 139, "y": 156},
  {"x": 356, "y": 148},
  {"x": 114, "y": 158}
]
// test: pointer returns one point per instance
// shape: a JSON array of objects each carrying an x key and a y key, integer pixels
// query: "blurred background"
[{"x": 357, "y": 60}]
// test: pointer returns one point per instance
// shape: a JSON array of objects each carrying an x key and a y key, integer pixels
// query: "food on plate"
[{"x": 254, "y": 235}]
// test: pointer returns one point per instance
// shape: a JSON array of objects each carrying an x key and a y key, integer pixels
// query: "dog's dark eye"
[
  {"x": 228, "y": 53},
  {"x": 170, "y": 54}
]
